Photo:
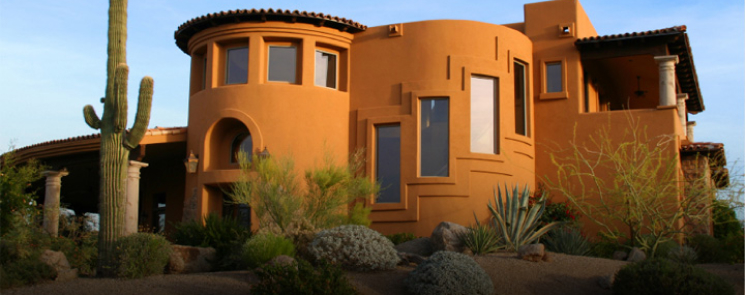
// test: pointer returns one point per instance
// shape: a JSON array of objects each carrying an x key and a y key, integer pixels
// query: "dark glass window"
[
  {"x": 282, "y": 63},
  {"x": 236, "y": 69},
  {"x": 553, "y": 77},
  {"x": 434, "y": 144},
  {"x": 241, "y": 143},
  {"x": 388, "y": 162},
  {"x": 325, "y": 69},
  {"x": 521, "y": 101}
]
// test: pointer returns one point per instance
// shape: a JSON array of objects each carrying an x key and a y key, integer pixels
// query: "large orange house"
[{"x": 444, "y": 109}]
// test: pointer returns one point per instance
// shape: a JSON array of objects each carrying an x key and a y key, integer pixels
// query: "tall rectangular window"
[
  {"x": 484, "y": 115},
  {"x": 388, "y": 162},
  {"x": 282, "y": 63},
  {"x": 521, "y": 100},
  {"x": 434, "y": 137},
  {"x": 325, "y": 69},
  {"x": 236, "y": 66},
  {"x": 553, "y": 77}
]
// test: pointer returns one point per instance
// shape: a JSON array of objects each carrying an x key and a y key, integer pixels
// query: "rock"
[
  {"x": 636, "y": 255},
  {"x": 59, "y": 263},
  {"x": 446, "y": 237},
  {"x": 548, "y": 257},
  {"x": 606, "y": 282},
  {"x": 420, "y": 246},
  {"x": 620, "y": 255},
  {"x": 531, "y": 252},
  {"x": 410, "y": 258},
  {"x": 281, "y": 260},
  {"x": 188, "y": 259}
]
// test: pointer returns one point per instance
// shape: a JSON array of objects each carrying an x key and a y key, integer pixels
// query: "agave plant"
[
  {"x": 567, "y": 240},
  {"x": 518, "y": 222},
  {"x": 482, "y": 238}
]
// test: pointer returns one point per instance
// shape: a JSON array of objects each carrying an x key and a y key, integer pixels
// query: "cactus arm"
[
  {"x": 119, "y": 105},
  {"x": 143, "y": 114},
  {"x": 91, "y": 118}
]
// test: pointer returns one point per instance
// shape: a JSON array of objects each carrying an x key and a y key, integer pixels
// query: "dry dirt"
[{"x": 564, "y": 275}]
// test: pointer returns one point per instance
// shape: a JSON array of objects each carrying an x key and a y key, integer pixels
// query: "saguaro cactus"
[{"x": 116, "y": 142}]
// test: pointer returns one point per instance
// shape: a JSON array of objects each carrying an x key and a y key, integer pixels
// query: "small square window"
[
  {"x": 236, "y": 68},
  {"x": 282, "y": 64},
  {"x": 554, "y": 77},
  {"x": 325, "y": 69}
]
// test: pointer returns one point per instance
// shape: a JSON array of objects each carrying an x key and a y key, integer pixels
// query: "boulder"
[
  {"x": 410, "y": 258},
  {"x": 606, "y": 282},
  {"x": 636, "y": 255},
  {"x": 420, "y": 246},
  {"x": 188, "y": 259},
  {"x": 59, "y": 263},
  {"x": 531, "y": 252},
  {"x": 620, "y": 255},
  {"x": 446, "y": 237}
]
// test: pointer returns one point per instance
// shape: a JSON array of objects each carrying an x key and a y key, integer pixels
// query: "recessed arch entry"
[{"x": 233, "y": 132}]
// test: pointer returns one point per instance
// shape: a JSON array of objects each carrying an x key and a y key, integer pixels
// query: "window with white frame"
[{"x": 326, "y": 69}]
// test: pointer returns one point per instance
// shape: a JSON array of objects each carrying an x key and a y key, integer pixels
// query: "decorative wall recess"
[
  {"x": 396, "y": 30},
  {"x": 566, "y": 30}
]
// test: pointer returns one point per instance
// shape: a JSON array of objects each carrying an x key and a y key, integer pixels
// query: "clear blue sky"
[{"x": 53, "y": 54}]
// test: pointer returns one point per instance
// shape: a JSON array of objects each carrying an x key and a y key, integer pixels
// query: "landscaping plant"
[
  {"x": 270, "y": 187},
  {"x": 630, "y": 186},
  {"x": 141, "y": 254},
  {"x": 481, "y": 239},
  {"x": 116, "y": 140},
  {"x": 261, "y": 248},
  {"x": 567, "y": 240},
  {"x": 225, "y": 234},
  {"x": 662, "y": 277},
  {"x": 447, "y": 272},
  {"x": 400, "y": 238},
  {"x": 17, "y": 203},
  {"x": 354, "y": 247},
  {"x": 302, "y": 278},
  {"x": 515, "y": 220}
]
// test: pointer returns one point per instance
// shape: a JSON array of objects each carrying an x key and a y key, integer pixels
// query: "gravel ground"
[{"x": 564, "y": 275}]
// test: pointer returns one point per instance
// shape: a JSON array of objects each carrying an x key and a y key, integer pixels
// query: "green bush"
[
  {"x": 447, "y": 272},
  {"x": 24, "y": 271},
  {"x": 400, "y": 238},
  {"x": 661, "y": 277},
  {"x": 354, "y": 247},
  {"x": 225, "y": 234},
  {"x": 17, "y": 203},
  {"x": 567, "y": 240},
  {"x": 725, "y": 220},
  {"x": 80, "y": 250},
  {"x": 733, "y": 245},
  {"x": 141, "y": 254},
  {"x": 708, "y": 249},
  {"x": 263, "y": 247},
  {"x": 481, "y": 239},
  {"x": 604, "y": 246},
  {"x": 302, "y": 278},
  {"x": 683, "y": 254}
]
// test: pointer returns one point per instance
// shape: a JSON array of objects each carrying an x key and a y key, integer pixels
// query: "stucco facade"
[{"x": 445, "y": 110}]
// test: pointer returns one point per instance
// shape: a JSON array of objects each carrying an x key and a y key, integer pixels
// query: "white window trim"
[{"x": 336, "y": 65}]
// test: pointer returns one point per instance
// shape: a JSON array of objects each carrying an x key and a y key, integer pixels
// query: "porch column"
[
  {"x": 133, "y": 196},
  {"x": 51, "y": 200},
  {"x": 689, "y": 128},
  {"x": 682, "y": 97},
  {"x": 666, "y": 66}
]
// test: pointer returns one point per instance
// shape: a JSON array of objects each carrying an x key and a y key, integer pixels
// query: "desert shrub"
[
  {"x": 554, "y": 212},
  {"x": 80, "y": 250},
  {"x": 725, "y": 219},
  {"x": 604, "y": 247},
  {"x": 400, "y": 238},
  {"x": 708, "y": 249},
  {"x": 447, "y": 272},
  {"x": 225, "y": 234},
  {"x": 481, "y": 239},
  {"x": 271, "y": 187},
  {"x": 683, "y": 254},
  {"x": 734, "y": 245},
  {"x": 354, "y": 247},
  {"x": 17, "y": 203},
  {"x": 263, "y": 247},
  {"x": 661, "y": 276},
  {"x": 302, "y": 278},
  {"x": 567, "y": 240},
  {"x": 515, "y": 219},
  {"x": 141, "y": 254},
  {"x": 24, "y": 271}
]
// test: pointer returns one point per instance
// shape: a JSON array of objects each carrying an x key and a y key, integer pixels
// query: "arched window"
[{"x": 241, "y": 143}]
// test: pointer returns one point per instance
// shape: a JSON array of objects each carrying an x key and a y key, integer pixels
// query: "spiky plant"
[
  {"x": 567, "y": 240},
  {"x": 515, "y": 220},
  {"x": 482, "y": 238},
  {"x": 116, "y": 142}
]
